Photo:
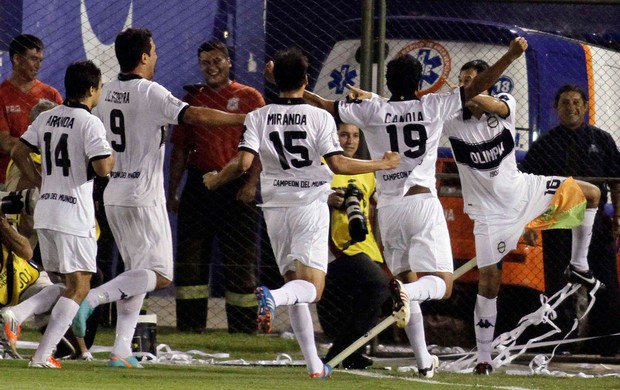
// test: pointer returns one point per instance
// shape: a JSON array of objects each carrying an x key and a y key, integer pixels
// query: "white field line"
[{"x": 432, "y": 382}]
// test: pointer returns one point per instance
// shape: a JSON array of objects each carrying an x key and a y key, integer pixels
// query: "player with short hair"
[
  {"x": 290, "y": 136},
  {"x": 74, "y": 148},
  {"x": 501, "y": 200},
  {"x": 411, "y": 220},
  {"x": 135, "y": 112}
]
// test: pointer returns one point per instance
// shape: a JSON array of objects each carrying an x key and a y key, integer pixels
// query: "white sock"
[
  {"x": 62, "y": 315},
  {"x": 485, "y": 317},
  {"x": 295, "y": 291},
  {"x": 425, "y": 288},
  {"x": 39, "y": 303},
  {"x": 301, "y": 321},
  {"x": 128, "y": 311},
  {"x": 581, "y": 241},
  {"x": 415, "y": 333},
  {"x": 125, "y": 285}
]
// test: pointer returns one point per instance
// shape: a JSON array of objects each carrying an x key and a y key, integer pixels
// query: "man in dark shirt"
[{"x": 575, "y": 148}]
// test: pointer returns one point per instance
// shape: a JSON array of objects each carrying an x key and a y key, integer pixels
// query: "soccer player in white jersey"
[
  {"x": 135, "y": 112},
  {"x": 290, "y": 137},
  {"x": 413, "y": 228},
  {"x": 501, "y": 200},
  {"x": 73, "y": 148}
]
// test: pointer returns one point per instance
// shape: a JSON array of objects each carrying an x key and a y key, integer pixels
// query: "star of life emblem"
[{"x": 233, "y": 104}]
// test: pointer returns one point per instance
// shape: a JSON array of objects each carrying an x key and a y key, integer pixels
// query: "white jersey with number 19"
[
  {"x": 136, "y": 113},
  {"x": 69, "y": 137},
  {"x": 410, "y": 127},
  {"x": 290, "y": 137}
]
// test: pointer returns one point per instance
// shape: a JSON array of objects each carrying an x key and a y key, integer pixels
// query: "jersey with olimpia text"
[
  {"x": 136, "y": 113},
  {"x": 484, "y": 150},
  {"x": 290, "y": 137},
  {"x": 410, "y": 127},
  {"x": 69, "y": 138}
]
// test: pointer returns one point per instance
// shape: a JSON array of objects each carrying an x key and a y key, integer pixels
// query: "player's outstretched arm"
[
  {"x": 486, "y": 79},
  {"x": 318, "y": 101},
  {"x": 342, "y": 165},
  {"x": 207, "y": 117},
  {"x": 236, "y": 167},
  {"x": 21, "y": 156},
  {"x": 489, "y": 104}
]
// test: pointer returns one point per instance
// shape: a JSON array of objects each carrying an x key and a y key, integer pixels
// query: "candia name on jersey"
[
  {"x": 484, "y": 150},
  {"x": 290, "y": 137},
  {"x": 69, "y": 137},
  {"x": 410, "y": 127},
  {"x": 136, "y": 113}
]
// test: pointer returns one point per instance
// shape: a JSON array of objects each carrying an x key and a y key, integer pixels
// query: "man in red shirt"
[
  {"x": 20, "y": 92},
  {"x": 205, "y": 215}
]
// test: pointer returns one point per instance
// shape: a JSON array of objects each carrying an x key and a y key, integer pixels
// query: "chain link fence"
[{"x": 229, "y": 252}]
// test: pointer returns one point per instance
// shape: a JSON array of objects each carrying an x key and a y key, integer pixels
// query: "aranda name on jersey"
[
  {"x": 117, "y": 97},
  {"x": 409, "y": 117},
  {"x": 486, "y": 155},
  {"x": 60, "y": 121},
  {"x": 286, "y": 119}
]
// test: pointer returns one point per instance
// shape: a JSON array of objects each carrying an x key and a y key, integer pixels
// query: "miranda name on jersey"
[
  {"x": 415, "y": 116},
  {"x": 60, "y": 121},
  {"x": 117, "y": 97},
  {"x": 286, "y": 119}
]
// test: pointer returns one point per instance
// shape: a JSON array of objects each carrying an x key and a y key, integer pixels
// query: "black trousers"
[{"x": 356, "y": 288}]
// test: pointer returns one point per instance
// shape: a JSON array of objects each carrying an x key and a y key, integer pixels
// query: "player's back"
[
  {"x": 67, "y": 138},
  {"x": 291, "y": 137},
  {"x": 410, "y": 127},
  {"x": 136, "y": 113}
]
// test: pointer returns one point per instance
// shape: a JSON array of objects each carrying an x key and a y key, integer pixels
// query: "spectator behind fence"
[
  {"x": 356, "y": 286},
  {"x": 294, "y": 189},
  {"x": 20, "y": 92},
  {"x": 502, "y": 201},
  {"x": 209, "y": 215},
  {"x": 136, "y": 112},
  {"x": 577, "y": 148},
  {"x": 65, "y": 215}
]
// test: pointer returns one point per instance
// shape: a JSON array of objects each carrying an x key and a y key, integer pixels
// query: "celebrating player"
[
  {"x": 135, "y": 112},
  {"x": 413, "y": 229},
  {"x": 501, "y": 200},
  {"x": 290, "y": 137},
  {"x": 73, "y": 143}
]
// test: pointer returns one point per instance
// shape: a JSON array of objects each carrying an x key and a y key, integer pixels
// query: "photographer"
[{"x": 355, "y": 287}]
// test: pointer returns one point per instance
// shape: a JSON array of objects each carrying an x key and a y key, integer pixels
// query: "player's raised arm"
[
  {"x": 351, "y": 166},
  {"x": 486, "y": 79},
  {"x": 207, "y": 117},
  {"x": 489, "y": 104}
]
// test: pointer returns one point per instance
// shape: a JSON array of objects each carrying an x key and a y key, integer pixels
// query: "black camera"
[
  {"x": 358, "y": 226},
  {"x": 17, "y": 201}
]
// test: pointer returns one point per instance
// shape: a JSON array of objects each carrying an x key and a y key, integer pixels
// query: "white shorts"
[
  {"x": 299, "y": 233},
  {"x": 415, "y": 235},
  {"x": 143, "y": 237},
  {"x": 496, "y": 235},
  {"x": 67, "y": 253}
]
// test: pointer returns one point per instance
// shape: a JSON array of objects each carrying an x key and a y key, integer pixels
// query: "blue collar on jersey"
[
  {"x": 128, "y": 76},
  {"x": 289, "y": 101},
  {"x": 74, "y": 104}
]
